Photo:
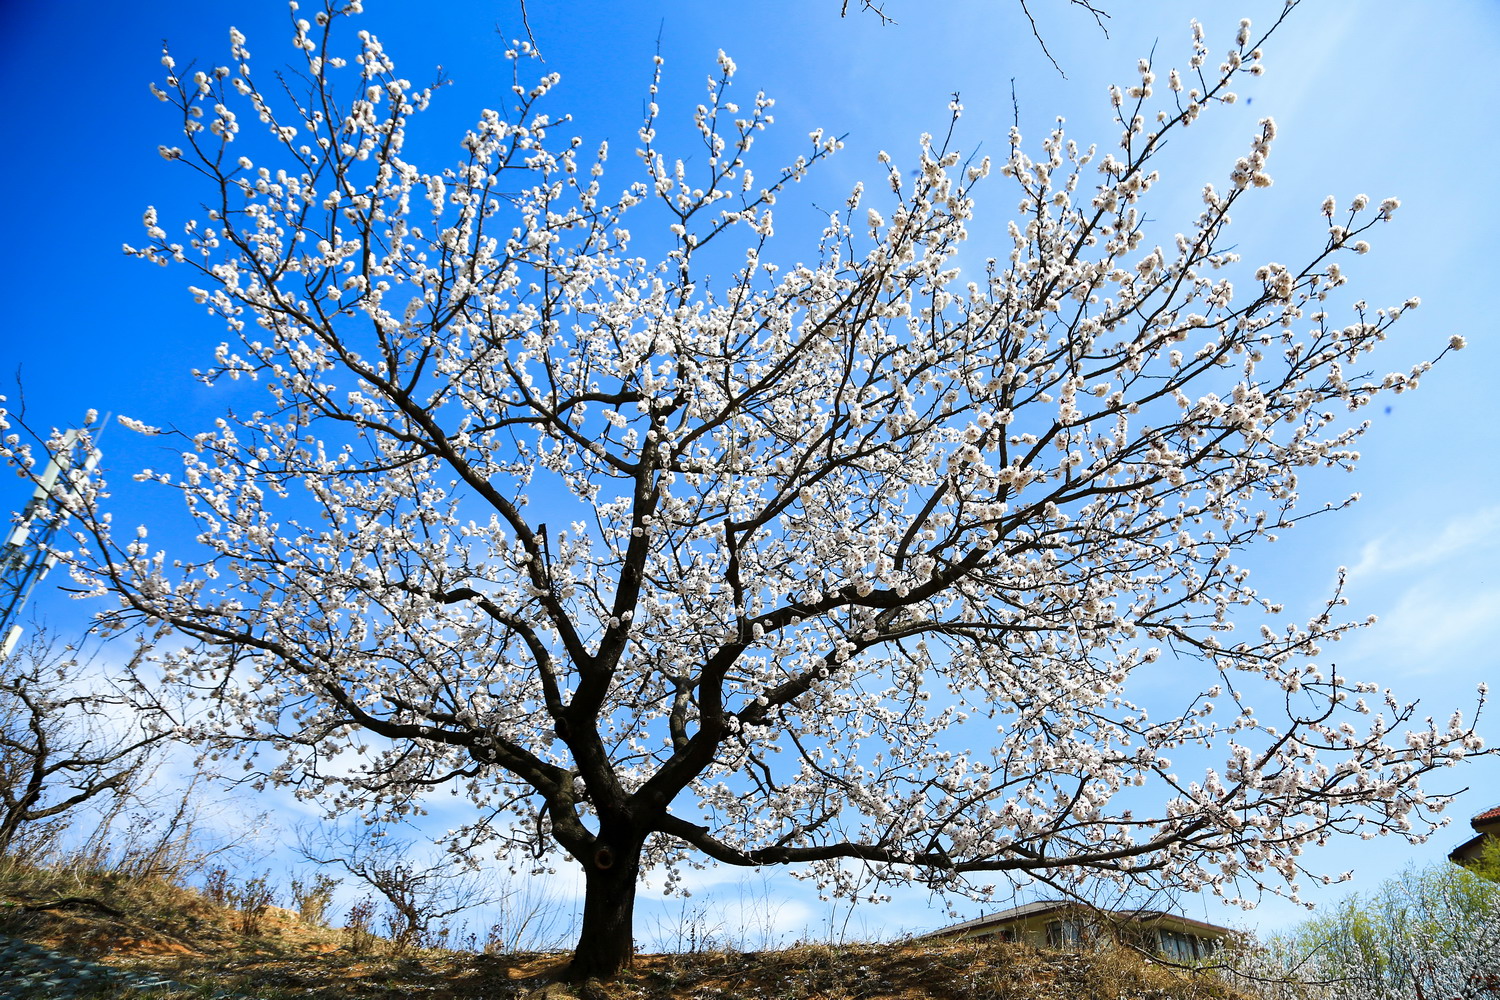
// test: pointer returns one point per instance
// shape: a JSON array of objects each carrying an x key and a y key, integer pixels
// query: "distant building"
[
  {"x": 1486, "y": 828},
  {"x": 1068, "y": 926}
]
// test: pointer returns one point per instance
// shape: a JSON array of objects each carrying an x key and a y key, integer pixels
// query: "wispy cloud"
[
  {"x": 1464, "y": 535},
  {"x": 1428, "y": 629}
]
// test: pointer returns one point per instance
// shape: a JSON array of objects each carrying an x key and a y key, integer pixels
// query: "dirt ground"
[{"x": 180, "y": 934}]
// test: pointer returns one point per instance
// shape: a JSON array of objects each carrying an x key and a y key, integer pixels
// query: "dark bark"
[
  {"x": 606, "y": 943},
  {"x": 73, "y": 903},
  {"x": 11, "y": 818}
]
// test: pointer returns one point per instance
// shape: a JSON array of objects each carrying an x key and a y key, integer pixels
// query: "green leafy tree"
[
  {"x": 1429, "y": 933},
  {"x": 1487, "y": 865}
]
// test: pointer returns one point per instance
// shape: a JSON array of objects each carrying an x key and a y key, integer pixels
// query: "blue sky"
[{"x": 1386, "y": 98}]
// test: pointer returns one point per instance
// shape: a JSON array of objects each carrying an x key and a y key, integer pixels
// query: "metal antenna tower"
[{"x": 27, "y": 553}]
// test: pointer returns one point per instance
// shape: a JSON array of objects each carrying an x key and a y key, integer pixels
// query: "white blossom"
[{"x": 779, "y": 562}]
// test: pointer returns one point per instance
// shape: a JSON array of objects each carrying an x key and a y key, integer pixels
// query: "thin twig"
[
  {"x": 526, "y": 23},
  {"x": 871, "y": 6},
  {"x": 1036, "y": 33},
  {"x": 1099, "y": 13}
]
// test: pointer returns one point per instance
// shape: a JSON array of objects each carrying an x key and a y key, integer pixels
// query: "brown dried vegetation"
[{"x": 150, "y": 923}]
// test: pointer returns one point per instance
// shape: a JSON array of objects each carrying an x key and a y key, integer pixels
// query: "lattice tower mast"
[{"x": 27, "y": 554}]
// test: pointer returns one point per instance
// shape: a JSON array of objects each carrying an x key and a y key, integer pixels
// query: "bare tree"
[
  {"x": 420, "y": 896},
  {"x": 852, "y": 564},
  {"x": 61, "y": 746}
]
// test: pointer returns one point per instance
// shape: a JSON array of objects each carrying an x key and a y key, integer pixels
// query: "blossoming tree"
[
  {"x": 656, "y": 548},
  {"x": 1425, "y": 933}
]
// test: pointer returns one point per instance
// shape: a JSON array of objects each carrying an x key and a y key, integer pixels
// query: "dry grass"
[
  {"x": 918, "y": 971},
  {"x": 149, "y": 923}
]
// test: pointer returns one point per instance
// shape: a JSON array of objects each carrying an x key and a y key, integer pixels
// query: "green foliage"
[
  {"x": 1487, "y": 865},
  {"x": 1402, "y": 939}
]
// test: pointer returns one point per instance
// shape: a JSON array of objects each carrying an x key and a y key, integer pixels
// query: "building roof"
[
  {"x": 1462, "y": 851},
  {"x": 1044, "y": 906},
  {"x": 1488, "y": 816},
  {"x": 1003, "y": 916}
]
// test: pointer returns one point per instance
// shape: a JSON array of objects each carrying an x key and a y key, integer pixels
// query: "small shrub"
[
  {"x": 252, "y": 899},
  {"x": 361, "y": 917},
  {"x": 438, "y": 937},
  {"x": 418, "y": 899},
  {"x": 399, "y": 931},
  {"x": 312, "y": 900},
  {"x": 216, "y": 886}
]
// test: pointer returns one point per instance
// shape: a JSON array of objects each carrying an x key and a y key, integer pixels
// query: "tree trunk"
[
  {"x": 606, "y": 944},
  {"x": 8, "y": 826},
  {"x": 15, "y": 816}
]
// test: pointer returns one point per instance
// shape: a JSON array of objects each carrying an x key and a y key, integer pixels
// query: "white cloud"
[
  {"x": 1463, "y": 536},
  {"x": 694, "y": 880},
  {"x": 727, "y": 907},
  {"x": 1428, "y": 628},
  {"x": 1433, "y": 593}
]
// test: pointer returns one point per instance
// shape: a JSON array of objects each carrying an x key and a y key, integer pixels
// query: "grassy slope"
[{"x": 148, "y": 923}]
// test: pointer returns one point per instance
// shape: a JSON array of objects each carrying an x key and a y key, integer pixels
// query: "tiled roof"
[
  {"x": 1047, "y": 905},
  {"x": 1488, "y": 816},
  {"x": 1014, "y": 913}
]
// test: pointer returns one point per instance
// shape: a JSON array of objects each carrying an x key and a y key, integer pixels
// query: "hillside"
[{"x": 149, "y": 925}]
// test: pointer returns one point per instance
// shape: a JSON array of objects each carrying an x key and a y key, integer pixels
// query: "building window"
[
  {"x": 1066, "y": 934},
  {"x": 1182, "y": 947}
]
